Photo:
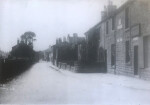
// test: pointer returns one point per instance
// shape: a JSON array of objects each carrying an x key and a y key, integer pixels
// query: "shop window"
[{"x": 113, "y": 23}]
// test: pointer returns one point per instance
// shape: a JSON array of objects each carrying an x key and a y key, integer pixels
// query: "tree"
[{"x": 28, "y": 37}]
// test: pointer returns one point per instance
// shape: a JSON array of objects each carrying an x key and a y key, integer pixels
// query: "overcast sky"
[{"x": 49, "y": 19}]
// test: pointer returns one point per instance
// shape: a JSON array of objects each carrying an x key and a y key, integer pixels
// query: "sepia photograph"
[{"x": 75, "y": 52}]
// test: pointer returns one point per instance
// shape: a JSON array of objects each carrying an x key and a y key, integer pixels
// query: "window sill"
[
  {"x": 128, "y": 63},
  {"x": 113, "y": 67},
  {"x": 127, "y": 29}
]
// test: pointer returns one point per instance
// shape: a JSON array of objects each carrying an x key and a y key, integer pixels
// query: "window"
[
  {"x": 100, "y": 35},
  {"x": 101, "y": 54},
  {"x": 107, "y": 28},
  {"x": 127, "y": 18},
  {"x": 127, "y": 51},
  {"x": 97, "y": 33},
  {"x": 113, "y": 23},
  {"x": 113, "y": 55},
  {"x": 147, "y": 51}
]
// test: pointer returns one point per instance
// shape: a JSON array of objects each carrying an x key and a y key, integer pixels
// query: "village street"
[{"x": 43, "y": 85}]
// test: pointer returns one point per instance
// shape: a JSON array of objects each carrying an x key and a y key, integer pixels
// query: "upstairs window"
[
  {"x": 127, "y": 17},
  {"x": 147, "y": 51},
  {"x": 113, "y": 23},
  {"x": 107, "y": 27},
  {"x": 100, "y": 33}
]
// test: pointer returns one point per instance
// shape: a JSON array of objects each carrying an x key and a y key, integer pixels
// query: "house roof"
[{"x": 110, "y": 16}]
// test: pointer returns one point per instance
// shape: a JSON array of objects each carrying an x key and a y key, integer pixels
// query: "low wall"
[
  {"x": 82, "y": 68},
  {"x": 65, "y": 66},
  {"x": 68, "y": 67},
  {"x": 62, "y": 65},
  {"x": 145, "y": 74}
]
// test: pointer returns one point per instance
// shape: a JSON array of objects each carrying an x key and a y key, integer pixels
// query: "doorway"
[
  {"x": 135, "y": 60},
  {"x": 105, "y": 61}
]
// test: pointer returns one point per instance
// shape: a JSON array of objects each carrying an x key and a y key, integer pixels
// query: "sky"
[{"x": 48, "y": 19}]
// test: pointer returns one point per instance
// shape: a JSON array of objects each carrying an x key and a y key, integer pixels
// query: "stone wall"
[
  {"x": 110, "y": 41},
  {"x": 65, "y": 66}
]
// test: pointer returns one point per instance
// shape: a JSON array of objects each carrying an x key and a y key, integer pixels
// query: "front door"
[
  {"x": 105, "y": 61},
  {"x": 135, "y": 60}
]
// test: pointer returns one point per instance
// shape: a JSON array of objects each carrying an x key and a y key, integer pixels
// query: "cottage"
[
  {"x": 127, "y": 46},
  {"x": 122, "y": 39}
]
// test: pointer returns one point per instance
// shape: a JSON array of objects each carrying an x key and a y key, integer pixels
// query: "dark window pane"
[
  {"x": 127, "y": 51},
  {"x": 113, "y": 55}
]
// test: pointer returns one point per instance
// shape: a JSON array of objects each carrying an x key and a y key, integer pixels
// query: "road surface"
[{"x": 43, "y": 85}]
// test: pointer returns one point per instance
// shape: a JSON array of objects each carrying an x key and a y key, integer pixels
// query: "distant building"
[
  {"x": 68, "y": 50},
  {"x": 22, "y": 50},
  {"x": 64, "y": 39},
  {"x": 3, "y": 54},
  {"x": 59, "y": 41},
  {"x": 75, "y": 39},
  {"x": 82, "y": 52},
  {"x": 47, "y": 54}
]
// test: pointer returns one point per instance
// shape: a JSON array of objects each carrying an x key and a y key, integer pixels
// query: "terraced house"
[{"x": 125, "y": 37}]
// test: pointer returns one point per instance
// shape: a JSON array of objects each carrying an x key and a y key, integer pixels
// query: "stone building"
[
  {"x": 124, "y": 39},
  {"x": 75, "y": 39},
  {"x": 95, "y": 52},
  {"x": 82, "y": 51},
  {"x": 97, "y": 36},
  {"x": 53, "y": 55},
  {"x": 22, "y": 51},
  {"x": 69, "y": 50},
  {"x": 127, "y": 39}
]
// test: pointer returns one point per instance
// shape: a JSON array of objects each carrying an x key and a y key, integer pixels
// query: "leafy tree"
[{"x": 28, "y": 37}]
